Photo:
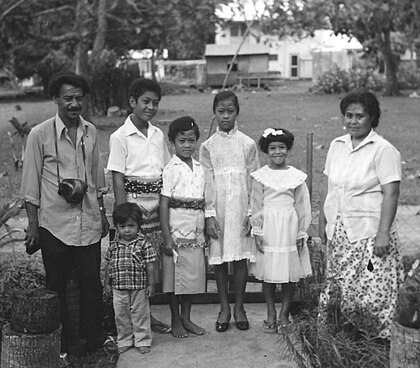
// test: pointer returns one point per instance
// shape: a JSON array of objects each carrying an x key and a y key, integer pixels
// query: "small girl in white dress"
[{"x": 281, "y": 214}]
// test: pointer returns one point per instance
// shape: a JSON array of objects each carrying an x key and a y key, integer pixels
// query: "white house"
[{"x": 305, "y": 58}]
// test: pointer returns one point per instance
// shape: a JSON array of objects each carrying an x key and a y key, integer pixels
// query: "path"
[{"x": 233, "y": 348}]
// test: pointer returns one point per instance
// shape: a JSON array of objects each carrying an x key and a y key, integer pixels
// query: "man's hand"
[
  {"x": 105, "y": 224},
  {"x": 212, "y": 227},
  {"x": 150, "y": 291},
  {"x": 259, "y": 243},
  {"x": 32, "y": 234}
]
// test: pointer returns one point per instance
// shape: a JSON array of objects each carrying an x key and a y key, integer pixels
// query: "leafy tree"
[{"x": 377, "y": 24}]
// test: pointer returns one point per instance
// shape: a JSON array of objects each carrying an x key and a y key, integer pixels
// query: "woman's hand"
[
  {"x": 259, "y": 243},
  {"x": 212, "y": 227},
  {"x": 168, "y": 247},
  {"x": 381, "y": 246}
]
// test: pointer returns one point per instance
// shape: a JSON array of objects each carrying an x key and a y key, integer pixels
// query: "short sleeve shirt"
[
  {"x": 181, "y": 182},
  {"x": 355, "y": 176},
  {"x": 134, "y": 154},
  {"x": 127, "y": 263}
]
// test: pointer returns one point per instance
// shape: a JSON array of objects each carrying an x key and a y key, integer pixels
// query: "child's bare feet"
[
  {"x": 178, "y": 329},
  {"x": 123, "y": 349},
  {"x": 192, "y": 327},
  {"x": 143, "y": 349}
]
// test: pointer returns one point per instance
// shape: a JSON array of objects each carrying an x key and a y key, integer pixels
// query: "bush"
[
  {"x": 26, "y": 274},
  {"x": 338, "y": 81},
  {"x": 335, "y": 339}
]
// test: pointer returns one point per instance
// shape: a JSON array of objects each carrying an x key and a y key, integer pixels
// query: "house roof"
[{"x": 230, "y": 50}]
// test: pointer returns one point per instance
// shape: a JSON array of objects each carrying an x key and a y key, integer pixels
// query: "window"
[
  {"x": 237, "y": 29},
  {"x": 294, "y": 66},
  {"x": 273, "y": 57},
  {"x": 234, "y": 67}
]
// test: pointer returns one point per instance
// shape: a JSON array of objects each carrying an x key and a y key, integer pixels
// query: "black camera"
[{"x": 72, "y": 190}]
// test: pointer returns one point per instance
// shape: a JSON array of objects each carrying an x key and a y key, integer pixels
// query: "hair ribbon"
[{"x": 272, "y": 131}]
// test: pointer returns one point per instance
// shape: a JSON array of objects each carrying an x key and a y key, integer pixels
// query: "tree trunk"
[
  {"x": 99, "y": 42},
  {"x": 391, "y": 65},
  {"x": 405, "y": 347},
  {"x": 19, "y": 350},
  {"x": 82, "y": 48},
  {"x": 35, "y": 311}
]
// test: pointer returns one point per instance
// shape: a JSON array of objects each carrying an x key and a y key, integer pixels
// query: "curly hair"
[
  {"x": 365, "y": 98},
  {"x": 72, "y": 79},
  {"x": 276, "y": 135}
]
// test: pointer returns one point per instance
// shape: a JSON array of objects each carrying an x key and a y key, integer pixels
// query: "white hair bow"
[{"x": 272, "y": 131}]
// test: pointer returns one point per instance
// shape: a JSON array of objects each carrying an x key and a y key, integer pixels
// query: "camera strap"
[{"x": 56, "y": 154}]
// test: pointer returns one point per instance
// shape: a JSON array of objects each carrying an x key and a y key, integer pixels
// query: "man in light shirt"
[{"x": 62, "y": 186}]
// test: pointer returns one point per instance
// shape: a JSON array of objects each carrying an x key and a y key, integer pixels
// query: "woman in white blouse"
[{"x": 357, "y": 216}]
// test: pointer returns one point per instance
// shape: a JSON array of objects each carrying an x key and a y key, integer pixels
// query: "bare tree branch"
[
  {"x": 71, "y": 36},
  {"x": 11, "y": 8},
  {"x": 54, "y": 10}
]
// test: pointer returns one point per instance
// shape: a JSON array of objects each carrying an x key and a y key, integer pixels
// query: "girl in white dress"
[
  {"x": 281, "y": 214},
  {"x": 228, "y": 157}
]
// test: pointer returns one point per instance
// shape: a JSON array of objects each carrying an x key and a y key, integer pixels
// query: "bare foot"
[
  {"x": 159, "y": 326},
  {"x": 178, "y": 329},
  {"x": 143, "y": 349},
  {"x": 192, "y": 327}
]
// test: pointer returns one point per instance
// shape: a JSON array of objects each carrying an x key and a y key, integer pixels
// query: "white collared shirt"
[
  {"x": 134, "y": 154},
  {"x": 180, "y": 181},
  {"x": 355, "y": 176}
]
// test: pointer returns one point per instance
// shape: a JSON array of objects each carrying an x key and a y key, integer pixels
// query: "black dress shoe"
[
  {"x": 243, "y": 324},
  {"x": 222, "y": 326}
]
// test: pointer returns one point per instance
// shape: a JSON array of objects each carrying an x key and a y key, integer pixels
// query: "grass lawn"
[{"x": 301, "y": 113}]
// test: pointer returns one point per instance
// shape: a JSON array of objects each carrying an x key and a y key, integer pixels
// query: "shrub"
[
  {"x": 25, "y": 274},
  {"x": 335, "y": 339},
  {"x": 338, "y": 81}
]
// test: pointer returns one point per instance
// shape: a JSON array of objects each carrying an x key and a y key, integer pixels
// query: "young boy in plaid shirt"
[{"x": 129, "y": 274}]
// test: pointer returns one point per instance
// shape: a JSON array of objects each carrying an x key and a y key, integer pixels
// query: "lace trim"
[
  {"x": 280, "y": 179},
  {"x": 138, "y": 187},
  {"x": 219, "y": 260}
]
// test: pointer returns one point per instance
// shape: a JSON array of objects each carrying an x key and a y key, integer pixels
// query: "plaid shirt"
[{"x": 127, "y": 263}]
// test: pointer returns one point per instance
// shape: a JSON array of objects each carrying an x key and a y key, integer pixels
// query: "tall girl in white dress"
[{"x": 281, "y": 214}]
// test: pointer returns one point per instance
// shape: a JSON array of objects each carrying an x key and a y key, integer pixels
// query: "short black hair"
[
  {"x": 73, "y": 79},
  {"x": 142, "y": 85},
  {"x": 365, "y": 98},
  {"x": 182, "y": 124},
  {"x": 276, "y": 135},
  {"x": 126, "y": 211},
  {"x": 226, "y": 95}
]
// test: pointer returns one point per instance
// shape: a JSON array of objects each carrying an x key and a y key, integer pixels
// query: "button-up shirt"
[
  {"x": 134, "y": 154},
  {"x": 355, "y": 176},
  {"x": 76, "y": 224},
  {"x": 127, "y": 263},
  {"x": 180, "y": 181}
]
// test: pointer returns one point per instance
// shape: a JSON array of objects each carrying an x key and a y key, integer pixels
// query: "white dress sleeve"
[
  {"x": 303, "y": 209},
  {"x": 257, "y": 208},
  {"x": 209, "y": 182}
]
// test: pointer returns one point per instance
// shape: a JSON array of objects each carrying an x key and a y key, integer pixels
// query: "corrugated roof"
[{"x": 230, "y": 50}]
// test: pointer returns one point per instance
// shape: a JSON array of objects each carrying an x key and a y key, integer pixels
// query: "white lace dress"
[
  {"x": 227, "y": 160},
  {"x": 281, "y": 213}
]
